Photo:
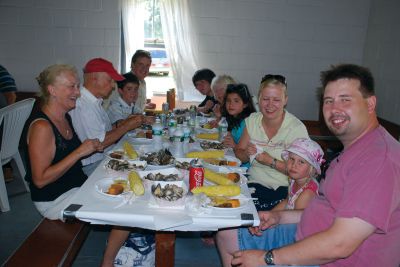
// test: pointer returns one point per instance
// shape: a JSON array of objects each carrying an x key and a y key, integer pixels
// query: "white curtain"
[
  {"x": 133, "y": 26},
  {"x": 180, "y": 45}
]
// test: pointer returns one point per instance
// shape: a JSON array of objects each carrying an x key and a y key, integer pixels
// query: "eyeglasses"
[
  {"x": 238, "y": 87},
  {"x": 278, "y": 78}
]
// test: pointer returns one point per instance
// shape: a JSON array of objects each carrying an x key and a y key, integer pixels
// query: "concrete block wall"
[
  {"x": 382, "y": 56},
  {"x": 37, "y": 33},
  {"x": 297, "y": 38}
]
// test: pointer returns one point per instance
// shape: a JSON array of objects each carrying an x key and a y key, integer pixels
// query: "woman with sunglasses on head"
[
  {"x": 266, "y": 135},
  {"x": 238, "y": 105}
]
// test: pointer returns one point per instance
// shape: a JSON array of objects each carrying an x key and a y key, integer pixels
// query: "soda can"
[{"x": 196, "y": 174}]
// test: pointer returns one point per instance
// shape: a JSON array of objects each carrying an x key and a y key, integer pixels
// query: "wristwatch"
[
  {"x": 269, "y": 257},
  {"x": 273, "y": 163}
]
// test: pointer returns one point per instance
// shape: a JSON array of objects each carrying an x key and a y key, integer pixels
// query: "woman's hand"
[
  {"x": 89, "y": 146},
  {"x": 264, "y": 158},
  {"x": 251, "y": 149},
  {"x": 228, "y": 140}
]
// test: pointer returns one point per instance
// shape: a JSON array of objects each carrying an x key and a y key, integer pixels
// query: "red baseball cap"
[{"x": 102, "y": 65}]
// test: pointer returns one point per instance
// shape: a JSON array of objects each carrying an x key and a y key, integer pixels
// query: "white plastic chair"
[{"x": 14, "y": 117}]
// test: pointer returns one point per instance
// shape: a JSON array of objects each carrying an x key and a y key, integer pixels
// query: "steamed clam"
[
  {"x": 169, "y": 192},
  {"x": 162, "y": 177},
  {"x": 162, "y": 157}
]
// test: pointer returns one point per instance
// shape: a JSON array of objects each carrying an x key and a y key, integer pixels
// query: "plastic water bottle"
[
  {"x": 178, "y": 142},
  {"x": 222, "y": 129},
  {"x": 171, "y": 124},
  {"x": 157, "y": 133},
  {"x": 192, "y": 115},
  {"x": 186, "y": 132}
]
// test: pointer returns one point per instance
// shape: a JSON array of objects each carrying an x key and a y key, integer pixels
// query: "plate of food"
[
  {"x": 228, "y": 203},
  {"x": 212, "y": 177},
  {"x": 124, "y": 165},
  {"x": 159, "y": 160},
  {"x": 112, "y": 187},
  {"x": 118, "y": 154},
  {"x": 183, "y": 163},
  {"x": 207, "y": 145},
  {"x": 163, "y": 175},
  {"x": 227, "y": 161},
  {"x": 169, "y": 195}
]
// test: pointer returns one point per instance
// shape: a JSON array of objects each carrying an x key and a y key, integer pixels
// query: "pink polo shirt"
[{"x": 363, "y": 182}]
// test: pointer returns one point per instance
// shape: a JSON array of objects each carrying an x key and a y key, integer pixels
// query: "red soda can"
[{"x": 196, "y": 174}]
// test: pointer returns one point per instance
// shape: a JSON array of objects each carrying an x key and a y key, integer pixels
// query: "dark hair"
[
  {"x": 129, "y": 78},
  {"x": 243, "y": 92},
  {"x": 350, "y": 71},
  {"x": 203, "y": 74},
  {"x": 140, "y": 53}
]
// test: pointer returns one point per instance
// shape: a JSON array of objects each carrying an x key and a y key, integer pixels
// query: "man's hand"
[
  {"x": 134, "y": 121},
  {"x": 150, "y": 105},
  {"x": 217, "y": 110},
  {"x": 248, "y": 258}
]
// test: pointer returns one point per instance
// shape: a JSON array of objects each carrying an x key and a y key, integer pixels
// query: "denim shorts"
[{"x": 276, "y": 237}]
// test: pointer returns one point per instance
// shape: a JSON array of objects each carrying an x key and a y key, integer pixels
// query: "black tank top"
[{"x": 74, "y": 177}]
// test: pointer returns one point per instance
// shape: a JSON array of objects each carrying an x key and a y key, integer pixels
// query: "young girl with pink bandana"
[{"x": 303, "y": 159}]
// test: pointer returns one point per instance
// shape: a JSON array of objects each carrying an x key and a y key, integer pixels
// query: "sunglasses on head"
[{"x": 278, "y": 78}]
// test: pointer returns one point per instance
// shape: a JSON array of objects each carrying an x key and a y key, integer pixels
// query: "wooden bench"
[{"x": 52, "y": 243}]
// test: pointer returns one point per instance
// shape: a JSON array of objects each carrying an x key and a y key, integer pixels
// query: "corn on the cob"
[
  {"x": 132, "y": 154},
  {"x": 216, "y": 178},
  {"x": 136, "y": 183},
  {"x": 218, "y": 190},
  {"x": 206, "y": 154},
  {"x": 209, "y": 136}
]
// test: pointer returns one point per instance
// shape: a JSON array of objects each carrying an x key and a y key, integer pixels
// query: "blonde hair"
[
  {"x": 269, "y": 82},
  {"x": 49, "y": 75}
]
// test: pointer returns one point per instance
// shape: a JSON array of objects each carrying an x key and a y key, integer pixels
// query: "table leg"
[{"x": 165, "y": 249}]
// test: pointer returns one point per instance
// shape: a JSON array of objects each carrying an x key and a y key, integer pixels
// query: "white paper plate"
[
  {"x": 243, "y": 203},
  {"x": 217, "y": 167},
  {"x": 102, "y": 186},
  {"x": 165, "y": 171},
  {"x": 140, "y": 141},
  {"x": 109, "y": 154},
  {"x": 137, "y": 163}
]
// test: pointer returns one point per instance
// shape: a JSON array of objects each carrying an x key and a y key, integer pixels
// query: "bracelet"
[{"x": 273, "y": 163}]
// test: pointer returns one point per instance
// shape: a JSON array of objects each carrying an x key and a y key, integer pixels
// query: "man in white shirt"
[{"x": 89, "y": 118}]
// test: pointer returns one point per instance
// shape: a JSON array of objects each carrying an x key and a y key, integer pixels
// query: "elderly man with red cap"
[{"x": 89, "y": 118}]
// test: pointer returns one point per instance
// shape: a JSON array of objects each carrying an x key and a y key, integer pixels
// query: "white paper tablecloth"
[{"x": 100, "y": 209}]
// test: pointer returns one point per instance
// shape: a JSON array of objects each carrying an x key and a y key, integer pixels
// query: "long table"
[{"x": 95, "y": 208}]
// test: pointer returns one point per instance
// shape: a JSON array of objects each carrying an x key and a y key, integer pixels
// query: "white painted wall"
[
  {"x": 38, "y": 33},
  {"x": 296, "y": 38},
  {"x": 382, "y": 56},
  {"x": 244, "y": 38}
]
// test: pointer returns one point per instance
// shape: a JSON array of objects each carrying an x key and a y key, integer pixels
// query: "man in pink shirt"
[{"x": 356, "y": 219}]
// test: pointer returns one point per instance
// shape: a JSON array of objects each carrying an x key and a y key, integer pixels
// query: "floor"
[{"x": 18, "y": 223}]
